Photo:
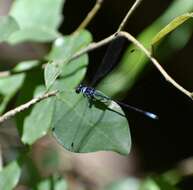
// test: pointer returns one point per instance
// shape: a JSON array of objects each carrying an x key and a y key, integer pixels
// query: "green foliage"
[
  {"x": 8, "y": 26},
  {"x": 93, "y": 128},
  {"x": 10, "y": 175},
  {"x": 25, "y": 66},
  {"x": 62, "y": 50},
  {"x": 76, "y": 126},
  {"x": 14, "y": 83},
  {"x": 156, "y": 183},
  {"x": 38, "y": 122},
  {"x": 38, "y": 20},
  {"x": 171, "y": 26},
  {"x": 130, "y": 183},
  {"x": 52, "y": 183}
]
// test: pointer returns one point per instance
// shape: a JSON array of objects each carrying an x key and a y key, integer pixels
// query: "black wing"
[{"x": 110, "y": 60}]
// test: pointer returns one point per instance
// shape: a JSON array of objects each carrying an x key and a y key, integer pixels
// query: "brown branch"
[
  {"x": 25, "y": 106},
  {"x": 128, "y": 15},
  {"x": 128, "y": 36},
  {"x": 90, "y": 15}
]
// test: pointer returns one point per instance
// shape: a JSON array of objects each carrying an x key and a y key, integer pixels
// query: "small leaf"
[
  {"x": 61, "y": 184},
  {"x": 130, "y": 184},
  {"x": 25, "y": 66},
  {"x": 51, "y": 183},
  {"x": 82, "y": 129},
  {"x": 8, "y": 26},
  {"x": 8, "y": 88},
  {"x": 51, "y": 72},
  {"x": 10, "y": 175},
  {"x": 156, "y": 183},
  {"x": 65, "y": 47},
  {"x": 62, "y": 50},
  {"x": 45, "y": 185},
  {"x": 171, "y": 26}
]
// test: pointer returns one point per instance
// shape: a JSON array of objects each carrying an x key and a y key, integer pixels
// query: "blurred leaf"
[
  {"x": 157, "y": 183},
  {"x": 125, "y": 184},
  {"x": 61, "y": 184},
  {"x": 52, "y": 183},
  {"x": 10, "y": 175},
  {"x": 132, "y": 64},
  {"x": 34, "y": 34},
  {"x": 38, "y": 19},
  {"x": 62, "y": 50},
  {"x": 8, "y": 25},
  {"x": 8, "y": 88},
  {"x": 173, "y": 176},
  {"x": 82, "y": 129},
  {"x": 171, "y": 26},
  {"x": 33, "y": 79},
  {"x": 25, "y": 66},
  {"x": 45, "y": 185}
]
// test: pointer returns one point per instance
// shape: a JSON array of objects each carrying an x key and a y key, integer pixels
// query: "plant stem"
[
  {"x": 128, "y": 15},
  {"x": 130, "y": 38},
  {"x": 90, "y": 15},
  {"x": 25, "y": 106}
]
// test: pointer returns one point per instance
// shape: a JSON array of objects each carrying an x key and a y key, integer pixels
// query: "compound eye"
[{"x": 77, "y": 90}]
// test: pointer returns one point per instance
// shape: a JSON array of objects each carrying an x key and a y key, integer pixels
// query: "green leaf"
[
  {"x": 45, "y": 185},
  {"x": 156, "y": 183},
  {"x": 10, "y": 175},
  {"x": 8, "y": 26},
  {"x": 8, "y": 88},
  {"x": 82, "y": 129},
  {"x": 52, "y": 183},
  {"x": 38, "y": 122},
  {"x": 64, "y": 47},
  {"x": 171, "y": 26},
  {"x": 33, "y": 34},
  {"x": 25, "y": 66},
  {"x": 51, "y": 72},
  {"x": 130, "y": 183},
  {"x": 33, "y": 79},
  {"x": 38, "y": 19},
  {"x": 62, "y": 50},
  {"x": 61, "y": 184}
]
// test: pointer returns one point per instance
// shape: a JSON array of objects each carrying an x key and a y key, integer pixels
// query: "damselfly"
[
  {"x": 99, "y": 123},
  {"x": 107, "y": 64}
]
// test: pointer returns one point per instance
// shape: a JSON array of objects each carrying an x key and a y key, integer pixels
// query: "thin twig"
[
  {"x": 156, "y": 64},
  {"x": 25, "y": 106},
  {"x": 128, "y": 36},
  {"x": 128, "y": 15},
  {"x": 5, "y": 74},
  {"x": 90, "y": 15}
]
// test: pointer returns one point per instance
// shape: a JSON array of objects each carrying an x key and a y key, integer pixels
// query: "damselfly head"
[{"x": 78, "y": 88}]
